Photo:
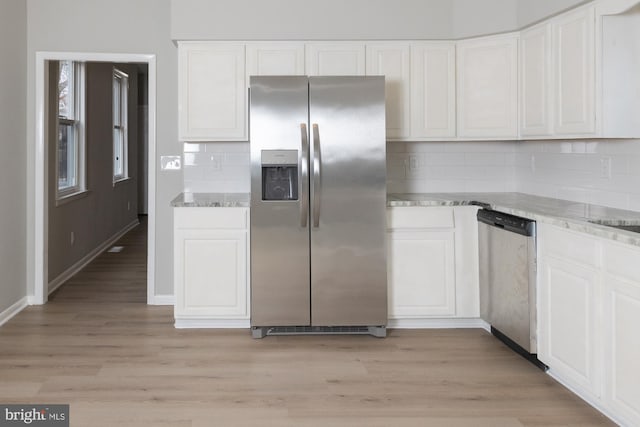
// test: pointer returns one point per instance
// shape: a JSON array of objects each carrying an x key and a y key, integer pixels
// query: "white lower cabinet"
[
  {"x": 211, "y": 266},
  {"x": 421, "y": 274},
  {"x": 568, "y": 321},
  {"x": 588, "y": 312},
  {"x": 432, "y": 256},
  {"x": 622, "y": 340}
]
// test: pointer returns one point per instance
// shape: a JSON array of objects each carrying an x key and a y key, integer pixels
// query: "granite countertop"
[
  {"x": 583, "y": 217},
  {"x": 211, "y": 200}
]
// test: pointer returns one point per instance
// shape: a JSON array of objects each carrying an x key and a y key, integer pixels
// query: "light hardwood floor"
[{"x": 119, "y": 362}]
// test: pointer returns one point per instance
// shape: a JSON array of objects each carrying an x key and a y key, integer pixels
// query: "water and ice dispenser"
[{"x": 279, "y": 174}]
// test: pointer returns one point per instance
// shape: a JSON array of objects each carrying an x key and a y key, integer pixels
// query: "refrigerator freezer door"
[
  {"x": 348, "y": 200},
  {"x": 279, "y": 228}
]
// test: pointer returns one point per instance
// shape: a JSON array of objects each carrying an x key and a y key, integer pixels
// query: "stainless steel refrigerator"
[{"x": 318, "y": 199}]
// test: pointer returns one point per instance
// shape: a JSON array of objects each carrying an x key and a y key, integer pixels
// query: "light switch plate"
[{"x": 170, "y": 163}]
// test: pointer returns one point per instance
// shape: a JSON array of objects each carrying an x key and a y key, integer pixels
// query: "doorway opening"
[{"x": 76, "y": 154}]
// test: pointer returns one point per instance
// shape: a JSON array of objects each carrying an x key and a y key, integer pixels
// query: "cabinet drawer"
[
  {"x": 622, "y": 261},
  {"x": 420, "y": 217},
  {"x": 211, "y": 218},
  {"x": 564, "y": 244}
]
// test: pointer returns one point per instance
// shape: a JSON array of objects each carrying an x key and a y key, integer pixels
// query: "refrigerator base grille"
[{"x": 376, "y": 331}]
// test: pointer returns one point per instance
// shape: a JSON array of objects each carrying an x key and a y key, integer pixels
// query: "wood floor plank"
[{"x": 98, "y": 347}]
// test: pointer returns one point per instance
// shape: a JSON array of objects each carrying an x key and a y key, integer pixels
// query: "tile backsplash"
[
  {"x": 482, "y": 166},
  {"x": 604, "y": 172},
  {"x": 216, "y": 167}
]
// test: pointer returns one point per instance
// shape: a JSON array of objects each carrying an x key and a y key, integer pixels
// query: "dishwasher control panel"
[{"x": 515, "y": 224}]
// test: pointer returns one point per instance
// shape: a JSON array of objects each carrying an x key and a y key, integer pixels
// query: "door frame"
[{"x": 40, "y": 210}]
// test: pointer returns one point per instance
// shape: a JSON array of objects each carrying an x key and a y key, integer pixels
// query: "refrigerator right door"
[{"x": 348, "y": 201}]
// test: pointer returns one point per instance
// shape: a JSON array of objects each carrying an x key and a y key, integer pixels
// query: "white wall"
[
  {"x": 309, "y": 20},
  {"x": 354, "y": 19},
  {"x": 117, "y": 26},
  {"x": 13, "y": 86},
  {"x": 472, "y": 17},
  {"x": 530, "y": 11},
  {"x": 573, "y": 170}
]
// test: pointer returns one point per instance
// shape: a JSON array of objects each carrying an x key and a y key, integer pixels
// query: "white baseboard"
[
  {"x": 591, "y": 400},
  {"x": 84, "y": 261},
  {"x": 213, "y": 323},
  {"x": 162, "y": 300},
  {"x": 14, "y": 309},
  {"x": 437, "y": 323}
]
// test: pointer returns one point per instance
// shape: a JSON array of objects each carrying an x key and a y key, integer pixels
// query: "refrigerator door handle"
[
  {"x": 316, "y": 176},
  {"x": 304, "y": 175}
]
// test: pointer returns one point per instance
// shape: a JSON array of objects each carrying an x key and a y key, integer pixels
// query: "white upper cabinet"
[
  {"x": 433, "y": 90},
  {"x": 335, "y": 59},
  {"x": 275, "y": 59},
  {"x": 574, "y": 72},
  {"x": 212, "y": 91},
  {"x": 536, "y": 95},
  {"x": 392, "y": 61},
  {"x": 488, "y": 87}
]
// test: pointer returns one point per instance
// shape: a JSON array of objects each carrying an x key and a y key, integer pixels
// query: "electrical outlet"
[
  {"x": 168, "y": 163},
  {"x": 73, "y": 238},
  {"x": 414, "y": 162},
  {"x": 605, "y": 167},
  {"x": 216, "y": 161}
]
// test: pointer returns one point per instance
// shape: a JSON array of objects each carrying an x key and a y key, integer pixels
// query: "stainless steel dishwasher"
[{"x": 507, "y": 248}]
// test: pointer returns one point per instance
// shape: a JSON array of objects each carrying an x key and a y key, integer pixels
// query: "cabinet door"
[
  {"x": 275, "y": 59},
  {"x": 211, "y": 273},
  {"x": 212, "y": 94},
  {"x": 421, "y": 274},
  {"x": 467, "y": 262},
  {"x": 392, "y": 61},
  {"x": 487, "y": 87},
  {"x": 574, "y": 72},
  {"x": 433, "y": 103},
  {"x": 335, "y": 59},
  {"x": 621, "y": 320},
  {"x": 568, "y": 323},
  {"x": 535, "y": 81}
]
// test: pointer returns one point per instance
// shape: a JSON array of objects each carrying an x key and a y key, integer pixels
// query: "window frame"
[
  {"x": 122, "y": 127},
  {"x": 76, "y": 119}
]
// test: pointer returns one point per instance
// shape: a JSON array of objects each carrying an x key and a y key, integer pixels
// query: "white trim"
[
  {"x": 14, "y": 309},
  {"x": 82, "y": 263},
  {"x": 71, "y": 197},
  {"x": 438, "y": 323},
  {"x": 163, "y": 300},
  {"x": 212, "y": 323},
  {"x": 591, "y": 400},
  {"x": 40, "y": 206}
]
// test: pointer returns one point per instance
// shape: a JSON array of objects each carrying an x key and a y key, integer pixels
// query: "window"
[
  {"x": 70, "y": 144},
  {"x": 120, "y": 143}
]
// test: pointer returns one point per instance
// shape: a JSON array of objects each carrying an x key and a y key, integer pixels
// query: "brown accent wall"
[{"x": 107, "y": 208}]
